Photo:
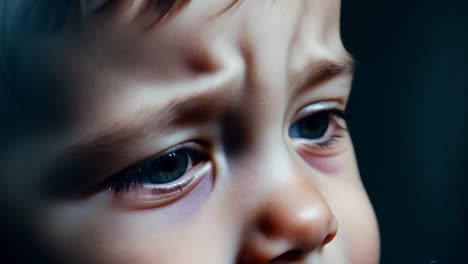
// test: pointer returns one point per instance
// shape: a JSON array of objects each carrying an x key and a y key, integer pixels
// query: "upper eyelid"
[
  {"x": 316, "y": 108},
  {"x": 186, "y": 145}
]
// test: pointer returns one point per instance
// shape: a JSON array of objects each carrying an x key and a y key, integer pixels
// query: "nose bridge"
[{"x": 287, "y": 213}]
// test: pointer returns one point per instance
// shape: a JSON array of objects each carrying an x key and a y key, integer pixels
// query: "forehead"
[
  {"x": 116, "y": 55},
  {"x": 127, "y": 38}
]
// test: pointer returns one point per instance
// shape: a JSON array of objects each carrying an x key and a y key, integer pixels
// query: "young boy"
[{"x": 203, "y": 131}]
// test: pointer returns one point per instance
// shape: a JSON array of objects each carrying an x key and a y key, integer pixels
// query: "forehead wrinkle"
[
  {"x": 230, "y": 6},
  {"x": 235, "y": 4},
  {"x": 153, "y": 11},
  {"x": 207, "y": 98}
]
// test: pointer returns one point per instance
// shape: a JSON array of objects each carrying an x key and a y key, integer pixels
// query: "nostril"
[
  {"x": 328, "y": 239},
  {"x": 289, "y": 228},
  {"x": 333, "y": 229},
  {"x": 292, "y": 255}
]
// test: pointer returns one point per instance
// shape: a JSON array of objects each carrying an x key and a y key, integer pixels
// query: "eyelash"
[
  {"x": 329, "y": 143},
  {"x": 138, "y": 175},
  {"x": 340, "y": 114}
]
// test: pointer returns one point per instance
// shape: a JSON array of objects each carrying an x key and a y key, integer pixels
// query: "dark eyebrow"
[
  {"x": 82, "y": 165},
  {"x": 319, "y": 71}
]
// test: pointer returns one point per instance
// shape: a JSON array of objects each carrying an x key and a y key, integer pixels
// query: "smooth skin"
[{"x": 226, "y": 83}]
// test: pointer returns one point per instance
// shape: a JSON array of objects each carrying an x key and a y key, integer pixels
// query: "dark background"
[{"x": 410, "y": 123}]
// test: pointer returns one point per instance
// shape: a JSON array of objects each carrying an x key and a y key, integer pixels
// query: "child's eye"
[
  {"x": 311, "y": 127},
  {"x": 319, "y": 128},
  {"x": 169, "y": 167},
  {"x": 162, "y": 179},
  {"x": 160, "y": 170}
]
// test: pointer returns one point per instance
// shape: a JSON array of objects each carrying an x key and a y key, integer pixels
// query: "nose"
[{"x": 290, "y": 222}]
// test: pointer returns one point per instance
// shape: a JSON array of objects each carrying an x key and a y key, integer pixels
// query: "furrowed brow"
[
  {"x": 164, "y": 9},
  {"x": 231, "y": 5}
]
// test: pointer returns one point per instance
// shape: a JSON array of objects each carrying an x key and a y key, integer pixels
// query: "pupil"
[
  {"x": 169, "y": 167},
  {"x": 311, "y": 127}
]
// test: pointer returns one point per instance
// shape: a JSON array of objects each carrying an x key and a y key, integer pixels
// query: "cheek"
[
  {"x": 341, "y": 186},
  {"x": 157, "y": 236},
  {"x": 103, "y": 234},
  {"x": 184, "y": 208},
  {"x": 357, "y": 224},
  {"x": 340, "y": 166}
]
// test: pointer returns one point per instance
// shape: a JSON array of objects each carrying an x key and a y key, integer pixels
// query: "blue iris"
[
  {"x": 311, "y": 127},
  {"x": 166, "y": 168}
]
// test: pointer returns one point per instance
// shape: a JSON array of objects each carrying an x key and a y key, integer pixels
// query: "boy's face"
[{"x": 212, "y": 136}]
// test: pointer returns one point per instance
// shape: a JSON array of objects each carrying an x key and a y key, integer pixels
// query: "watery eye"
[
  {"x": 311, "y": 127},
  {"x": 163, "y": 169}
]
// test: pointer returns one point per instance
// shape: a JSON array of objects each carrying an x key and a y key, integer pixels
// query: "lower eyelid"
[
  {"x": 145, "y": 196},
  {"x": 313, "y": 148}
]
